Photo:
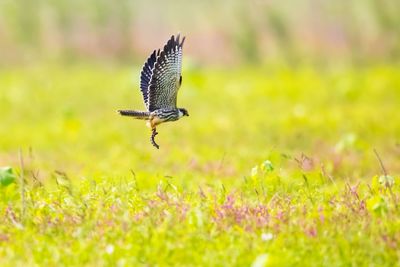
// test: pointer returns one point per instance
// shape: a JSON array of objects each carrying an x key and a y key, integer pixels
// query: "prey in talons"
[{"x": 153, "y": 135}]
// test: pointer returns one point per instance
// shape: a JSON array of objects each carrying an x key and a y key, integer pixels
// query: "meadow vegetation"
[{"x": 274, "y": 167}]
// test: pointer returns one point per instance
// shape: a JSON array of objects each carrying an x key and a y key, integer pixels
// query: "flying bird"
[{"x": 160, "y": 81}]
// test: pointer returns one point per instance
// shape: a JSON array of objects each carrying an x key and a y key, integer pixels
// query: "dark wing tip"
[
  {"x": 183, "y": 40},
  {"x": 177, "y": 40},
  {"x": 153, "y": 55},
  {"x": 174, "y": 42}
]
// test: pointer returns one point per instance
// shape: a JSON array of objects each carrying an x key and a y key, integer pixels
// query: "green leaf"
[
  {"x": 267, "y": 166},
  {"x": 7, "y": 176},
  {"x": 386, "y": 180},
  {"x": 63, "y": 181},
  {"x": 254, "y": 171}
]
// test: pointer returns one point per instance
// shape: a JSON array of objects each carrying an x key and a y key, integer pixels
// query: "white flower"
[
  {"x": 110, "y": 249},
  {"x": 266, "y": 236},
  {"x": 254, "y": 171}
]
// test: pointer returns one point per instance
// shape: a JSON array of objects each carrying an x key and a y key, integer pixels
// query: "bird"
[{"x": 160, "y": 80}]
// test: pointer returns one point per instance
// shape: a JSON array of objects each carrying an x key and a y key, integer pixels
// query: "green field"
[{"x": 275, "y": 166}]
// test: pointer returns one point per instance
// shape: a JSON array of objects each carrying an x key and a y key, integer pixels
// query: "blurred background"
[{"x": 219, "y": 32}]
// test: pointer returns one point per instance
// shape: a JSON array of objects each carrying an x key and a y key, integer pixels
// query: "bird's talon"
[{"x": 153, "y": 142}]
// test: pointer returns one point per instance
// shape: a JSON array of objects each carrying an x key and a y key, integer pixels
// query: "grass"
[{"x": 274, "y": 167}]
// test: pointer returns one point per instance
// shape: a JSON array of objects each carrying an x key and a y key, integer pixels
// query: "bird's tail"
[{"x": 140, "y": 115}]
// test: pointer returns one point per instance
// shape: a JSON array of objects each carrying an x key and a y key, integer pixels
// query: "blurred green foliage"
[
  {"x": 7, "y": 176},
  {"x": 67, "y": 115},
  {"x": 220, "y": 32},
  {"x": 274, "y": 167}
]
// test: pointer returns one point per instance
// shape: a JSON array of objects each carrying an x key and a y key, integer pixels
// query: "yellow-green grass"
[{"x": 274, "y": 166}]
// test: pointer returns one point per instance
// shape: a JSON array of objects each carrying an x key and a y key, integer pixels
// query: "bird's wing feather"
[
  {"x": 166, "y": 77},
  {"x": 145, "y": 75}
]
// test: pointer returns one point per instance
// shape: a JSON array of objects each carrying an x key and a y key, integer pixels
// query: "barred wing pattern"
[
  {"x": 145, "y": 76},
  {"x": 166, "y": 76}
]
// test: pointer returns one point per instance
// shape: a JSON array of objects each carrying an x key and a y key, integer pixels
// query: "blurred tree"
[
  {"x": 280, "y": 30},
  {"x": 247, "y": 36},
  {"x": 387, "y": 16}
]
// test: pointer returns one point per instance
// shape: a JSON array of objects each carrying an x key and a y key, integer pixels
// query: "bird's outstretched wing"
[
  {"x": 145, "y": 76},
  {"x": 166, "y": 76}
]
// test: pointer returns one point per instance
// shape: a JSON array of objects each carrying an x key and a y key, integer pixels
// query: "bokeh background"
[{"x": 219, "y": 32}]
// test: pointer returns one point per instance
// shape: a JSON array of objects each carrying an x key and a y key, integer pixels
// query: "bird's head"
[{"x": 183, "y": 112}]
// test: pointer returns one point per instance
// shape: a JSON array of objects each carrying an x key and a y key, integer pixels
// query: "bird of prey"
[{"x": 160, "y": 80}]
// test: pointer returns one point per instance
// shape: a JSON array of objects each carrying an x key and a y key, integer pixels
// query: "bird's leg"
[{"x": 153, "y": 135}]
